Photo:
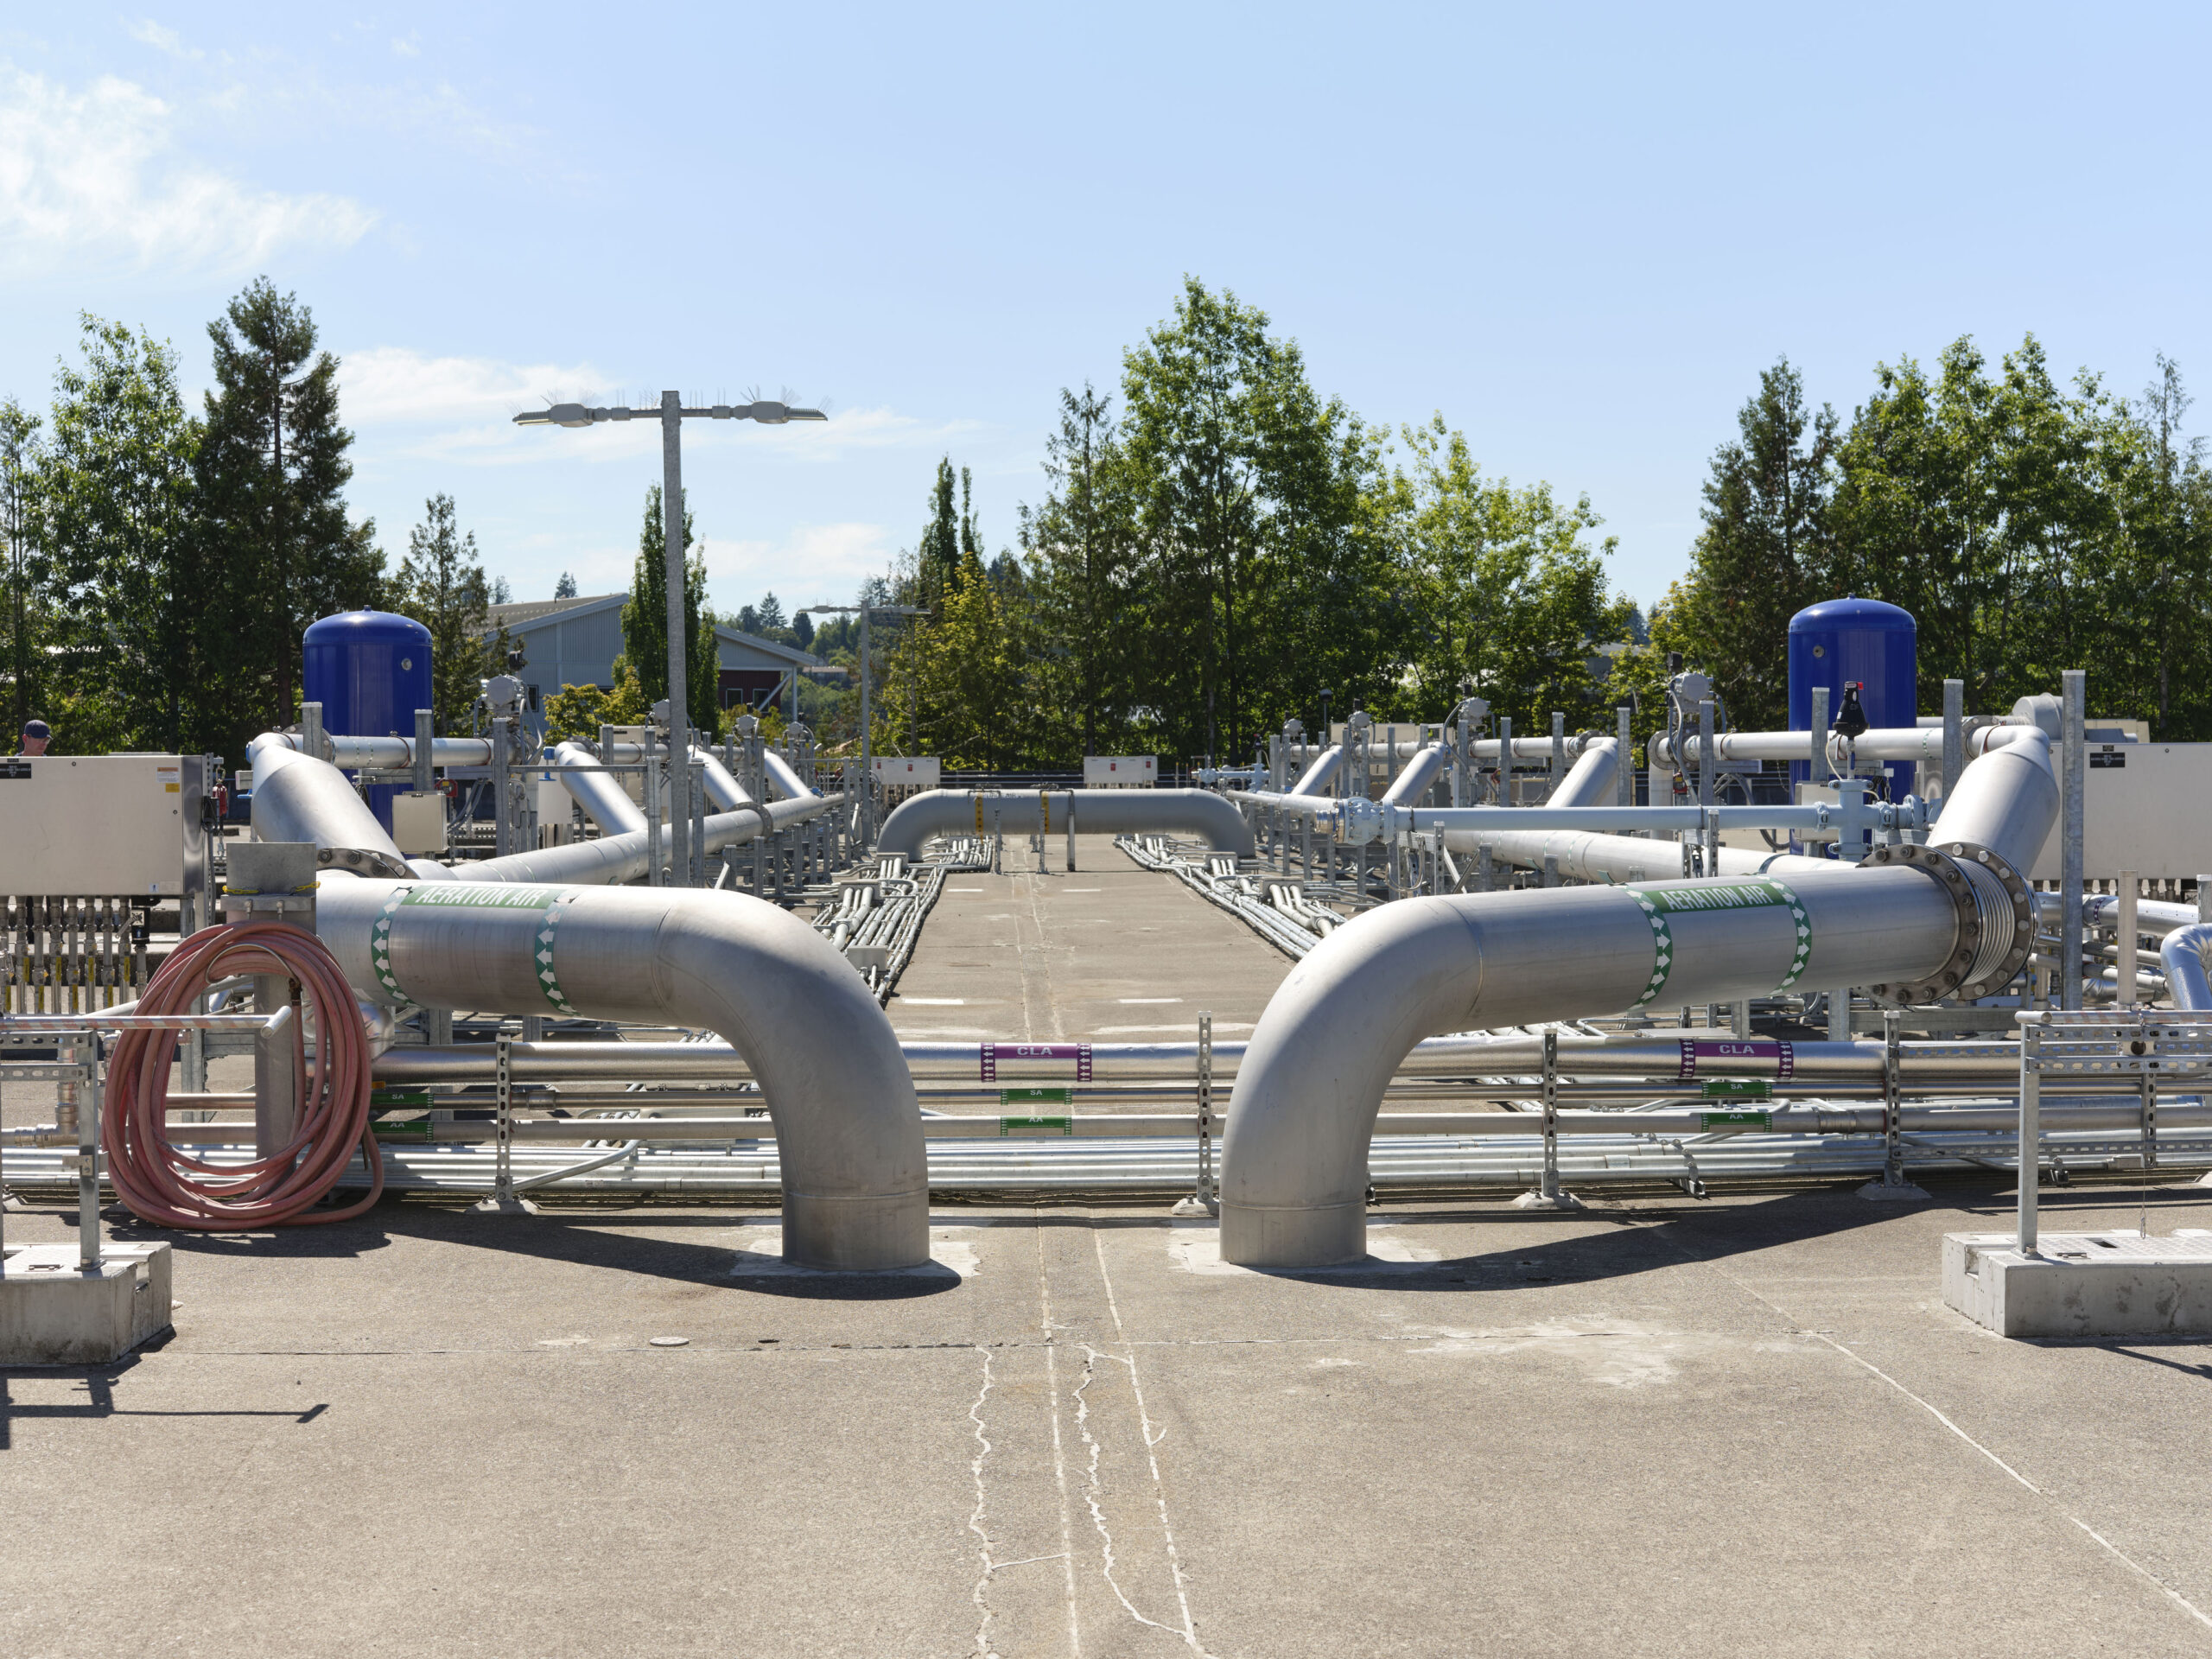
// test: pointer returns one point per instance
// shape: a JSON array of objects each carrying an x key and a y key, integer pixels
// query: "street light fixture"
[
  {"x": 867, "y": 778},
  {"x": 672, "y": 412}
]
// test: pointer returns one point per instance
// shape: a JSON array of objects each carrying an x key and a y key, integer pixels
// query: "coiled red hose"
[{"x": 165, "y": 1186}]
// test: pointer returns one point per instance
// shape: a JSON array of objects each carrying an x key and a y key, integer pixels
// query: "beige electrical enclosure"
[
  {"x": 418, "y": 823},
  {"x": 2148, "y": 808},
  {"x": 1120, "y": 771},
  {"x": 100, "y": 823}
]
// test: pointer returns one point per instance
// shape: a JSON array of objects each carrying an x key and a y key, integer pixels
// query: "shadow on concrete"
[
  {"x": 1631, "y": 1242},
  {"x": 581, "y": 1239},
  {"x": 99, "y": 1382}
]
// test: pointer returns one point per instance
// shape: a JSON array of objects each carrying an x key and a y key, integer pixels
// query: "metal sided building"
[{"x": 576, "y": 641}]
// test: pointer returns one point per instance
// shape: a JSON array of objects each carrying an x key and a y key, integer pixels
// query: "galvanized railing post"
[
  {"x": 503, "y": 1174},
  {"x": 2030, "y": 1127},
  {"x": 1893, "y": 1103},
  {"x": 1549, "y": 1186}
]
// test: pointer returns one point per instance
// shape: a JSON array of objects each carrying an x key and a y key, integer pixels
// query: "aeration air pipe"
[
  {"x": 299, "y": 798},
  {"x": 599, "y": 794},
  {"x": 848, "y": 1124},
  {"x": 1908, "y": 922},
  {"x": 1097, "y": 811},
  {"x": 1878, "y": 743}
]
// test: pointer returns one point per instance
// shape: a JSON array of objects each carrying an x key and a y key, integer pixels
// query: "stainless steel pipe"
[
  {"x": 855, "y": 1181},
  {"x": 1097, "y": 812},
  {"x": 1295, "y": 1160}
]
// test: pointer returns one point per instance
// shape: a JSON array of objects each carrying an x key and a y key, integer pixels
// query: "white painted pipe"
[
  {"x": 785, "y": 777},
  {"x": 849, "y": 1127}
]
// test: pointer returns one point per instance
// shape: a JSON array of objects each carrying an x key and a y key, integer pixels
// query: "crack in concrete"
[
  {"x": 982, "y": 1596},
  {"x": 1059, "y": 1457},
  {"x": 1190, "y": 1630}
]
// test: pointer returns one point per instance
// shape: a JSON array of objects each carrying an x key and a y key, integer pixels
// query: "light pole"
[
  {"x": 867, "y": 780},
  {"x": 671, "y": 413}
]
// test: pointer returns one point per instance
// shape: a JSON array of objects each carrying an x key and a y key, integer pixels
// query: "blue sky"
[{"x": 1577, "y": 232}]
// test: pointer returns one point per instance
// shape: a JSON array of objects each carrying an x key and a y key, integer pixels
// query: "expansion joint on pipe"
[{"x": 1995, "y": 910}]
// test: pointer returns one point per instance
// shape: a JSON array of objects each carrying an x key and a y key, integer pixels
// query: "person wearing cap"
[{"x": 36, "y": 736}]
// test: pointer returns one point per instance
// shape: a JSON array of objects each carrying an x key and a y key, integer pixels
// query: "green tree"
[
  {"x": 271, "y": 470},
  {"x": 19, "y": 466},
  {"x": 565, "y": 587},
  {"x": 1262, "y": 569},
  {"x": 442, "y": 585},
  {"x": 115, "y": 509},
  {"x": 1507, "y": 595},
  {"x": 937, "y": 554},
  {"x": 1082, "y": 541},
  {"x": 644, "y": 621},
  {"x": 2167, "y": 506},
  {"x": 1765, "y": 551},
  {"x": 576, "y": 712}
]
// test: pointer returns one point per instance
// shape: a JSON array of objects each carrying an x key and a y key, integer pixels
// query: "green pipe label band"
[
  {"x": 1752, "y": 894},
  {"x": 542, "y": 954},
  {"x": 474, "y": 896},
  {"x": 380, "y": 947}
]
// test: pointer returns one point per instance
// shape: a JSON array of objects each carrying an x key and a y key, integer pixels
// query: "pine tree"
[
  {"x": 566, "y": 587},
  {"x": 442, "y": 585},
  {"x": 938, "y": 556},
  {"x": 644, "y": 620},
  {"x": 271, "y": 470},
  {"x": 19, "y": 461}
]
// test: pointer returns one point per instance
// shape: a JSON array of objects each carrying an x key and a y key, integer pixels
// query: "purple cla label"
[{"x": 1742, "y": 1051}]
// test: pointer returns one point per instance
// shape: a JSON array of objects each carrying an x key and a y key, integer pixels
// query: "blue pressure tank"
[
  {"x": 370, "y": 671},
  {"x": 1863, "y": 640}
]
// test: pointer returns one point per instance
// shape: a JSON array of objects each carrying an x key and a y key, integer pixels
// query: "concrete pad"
[{"x": 2115, "y": 1284}]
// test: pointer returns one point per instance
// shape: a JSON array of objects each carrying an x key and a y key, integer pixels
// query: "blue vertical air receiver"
[
  {"x": 370, "y": 671},
  {"x": 1863, "y": 640}
]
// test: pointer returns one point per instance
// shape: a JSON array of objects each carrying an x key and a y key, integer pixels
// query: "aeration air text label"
[
  {"x": 1754, "y": 892},
  {"x": 1036, "y": 1126}
]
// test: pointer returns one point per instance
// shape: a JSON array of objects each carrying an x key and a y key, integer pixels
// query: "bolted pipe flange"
[
  {"x": 1946, "y": 875},
  {"x": 1975, "y": 967},
  {"x": 1985, "y": 868}
]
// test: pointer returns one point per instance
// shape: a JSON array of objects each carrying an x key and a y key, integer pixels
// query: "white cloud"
[
  {"x": 407, "y": 46},
  {"x": 96, "y": 174},
  {"x": 471, "y": 403},
  {"x": 163, "y": 40},
  {"x": 815, "y": 564},
  {"x": 398, "y": 385}
]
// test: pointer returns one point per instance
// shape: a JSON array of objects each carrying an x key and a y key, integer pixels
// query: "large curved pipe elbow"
[
  {"x": 1589, "y": 782},
  {"x": 2006, "y": 800},
  {"x": 849, "y": 1127},
  {"x": 1198, "y": 812},
  {"x": 1295, "y": 1160},
  {"x": 297, "y": 798},
  {"x": 2183, "y": 956},
  {"x": 785, "y": 777},
  {"x": 599, "y": 794},
  {"x": 723, "y": 790},
  {"x": 1421, "y": 772},
  {"x": 1316, "y": 777}
]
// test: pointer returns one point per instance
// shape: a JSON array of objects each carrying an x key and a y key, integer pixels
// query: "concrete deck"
[{"x": 1655, "y": 1428}]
